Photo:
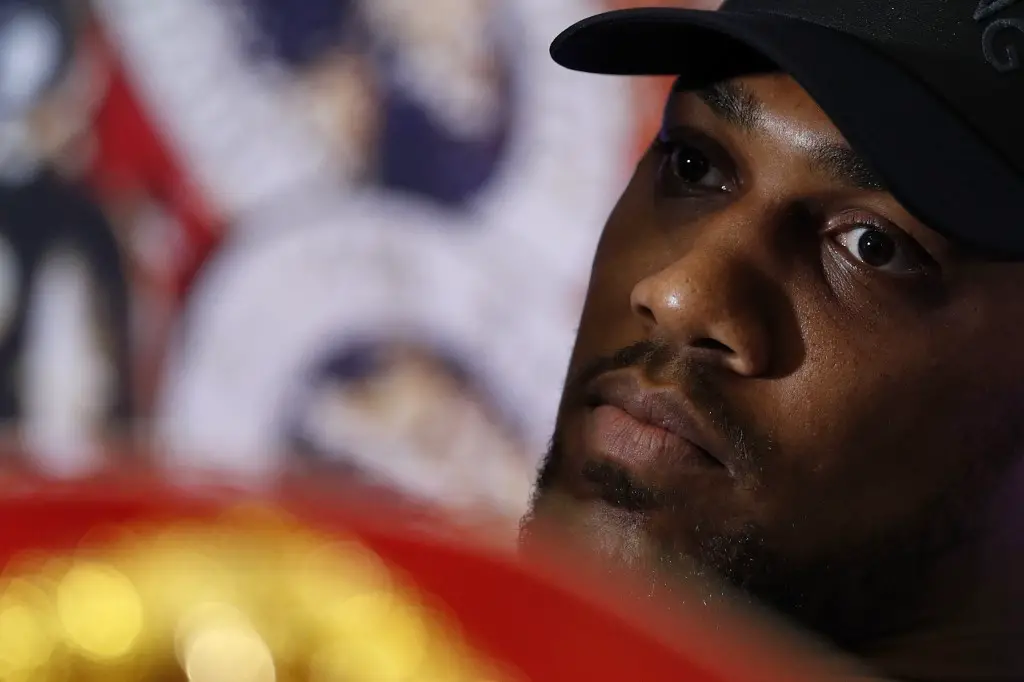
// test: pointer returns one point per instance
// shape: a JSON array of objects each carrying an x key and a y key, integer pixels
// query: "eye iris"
[
  {"x": 690, "y": 165},
  {"x": 876, "y": 248}
]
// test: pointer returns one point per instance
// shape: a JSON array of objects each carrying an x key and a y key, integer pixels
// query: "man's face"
[
  {"x": 344, "y": 105},
  {"x": 780, "y": 375},
  {"x": 420, "y": 427}
]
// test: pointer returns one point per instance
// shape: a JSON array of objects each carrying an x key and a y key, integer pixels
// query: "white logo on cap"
[{"x": 1008, "y": 58}]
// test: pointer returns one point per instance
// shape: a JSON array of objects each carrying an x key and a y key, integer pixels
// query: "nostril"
[
  {"x": 712, "y": 344},
  {"x": 645, "y": 313}
]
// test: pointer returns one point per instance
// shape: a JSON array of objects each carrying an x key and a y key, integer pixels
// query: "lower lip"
[{"x": 617, "y": 436}]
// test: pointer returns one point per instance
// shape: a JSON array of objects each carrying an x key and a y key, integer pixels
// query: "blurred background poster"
[{"x": 339, "y": 238}]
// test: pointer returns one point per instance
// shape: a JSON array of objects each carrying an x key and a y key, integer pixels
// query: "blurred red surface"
[{"x": 547, "y": 625}]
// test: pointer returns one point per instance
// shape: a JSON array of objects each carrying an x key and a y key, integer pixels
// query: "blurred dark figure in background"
[
  {"x": 64, "y": 374},
  {"x": 416, "y": 97}
]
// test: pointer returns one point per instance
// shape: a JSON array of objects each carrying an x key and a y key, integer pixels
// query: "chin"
[{"x": 559, "y": 524}]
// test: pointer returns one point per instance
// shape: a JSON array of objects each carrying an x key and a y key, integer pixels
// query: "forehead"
[{"x": 772, "y": 104}]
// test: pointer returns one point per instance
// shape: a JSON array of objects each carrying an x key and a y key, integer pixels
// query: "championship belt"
[{"x": 151, "y": 584}]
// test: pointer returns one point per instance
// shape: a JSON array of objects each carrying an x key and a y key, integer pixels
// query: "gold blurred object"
[{"x": 247, "y": 599}]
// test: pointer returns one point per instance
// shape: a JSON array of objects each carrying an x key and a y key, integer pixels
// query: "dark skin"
[{"x": 855, "y": 376}]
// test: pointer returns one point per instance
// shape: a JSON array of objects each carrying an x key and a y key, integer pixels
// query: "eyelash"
[
  {"x": 849, "y": 222},
  {"x": 668, "y": 143}
]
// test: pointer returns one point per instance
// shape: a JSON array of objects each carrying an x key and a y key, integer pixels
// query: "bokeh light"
[
  {"x": 100, "y": 611},
  {"x": 251, "y": 598}
]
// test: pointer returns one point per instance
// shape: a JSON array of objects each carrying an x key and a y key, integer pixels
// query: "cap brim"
[{"x": 938, "y": 167}]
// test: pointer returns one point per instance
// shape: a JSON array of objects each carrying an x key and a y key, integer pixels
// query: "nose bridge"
[
  {"x": 719, "y": 260},
  {"x": 714, "y": 294}
]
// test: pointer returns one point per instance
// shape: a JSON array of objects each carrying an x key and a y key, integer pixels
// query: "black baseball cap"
[{"x": 930, "y": 92}]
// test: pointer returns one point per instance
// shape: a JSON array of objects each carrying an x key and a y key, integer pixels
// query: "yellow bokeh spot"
[
  {"x": 203, "y": 617},
  {"x": 324, "y": 579},
  {"x": 26, "y": 639},
  {"x": 174, "y": 576},
  {"x": 99, "y": 610},
  {"x": 382, "y": 636},
  {"x": 227, "y": 652},
  {"x": 220, "y": 604}
]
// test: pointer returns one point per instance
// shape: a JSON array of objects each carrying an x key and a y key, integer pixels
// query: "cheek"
[
  {"x": 869, "y": 439},
  {"x": 607, "y": 323}
]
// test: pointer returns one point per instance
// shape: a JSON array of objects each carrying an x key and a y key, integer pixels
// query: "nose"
[{"x": 715, "y": 302}]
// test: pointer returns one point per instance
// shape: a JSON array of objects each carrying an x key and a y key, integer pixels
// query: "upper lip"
[{"x": 664, "y": 407}]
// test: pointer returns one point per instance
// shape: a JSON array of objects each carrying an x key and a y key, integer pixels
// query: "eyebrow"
[
  {"x": 737, "y": 106},
  {"x": 846, "y": 166},
  {"x": 733, "y": 104}
]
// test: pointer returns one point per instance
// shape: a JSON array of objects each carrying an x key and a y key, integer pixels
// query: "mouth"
[{"x": 649, "y": 433}]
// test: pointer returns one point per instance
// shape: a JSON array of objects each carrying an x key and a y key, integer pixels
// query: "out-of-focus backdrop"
[{"x": 339, "y": 238}]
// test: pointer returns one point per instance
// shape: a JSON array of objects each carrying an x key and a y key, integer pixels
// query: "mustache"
[{"x": 701, "y": 382}]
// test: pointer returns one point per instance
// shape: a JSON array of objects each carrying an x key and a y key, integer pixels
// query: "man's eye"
[
  {"x": 881, "y": 250},
  {"x": 687, "y": 166}
]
